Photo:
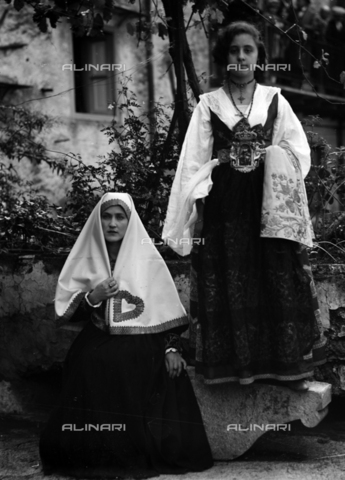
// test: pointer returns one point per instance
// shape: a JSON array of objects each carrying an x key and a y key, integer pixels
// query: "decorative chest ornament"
[{"x": 246, "y": 153}]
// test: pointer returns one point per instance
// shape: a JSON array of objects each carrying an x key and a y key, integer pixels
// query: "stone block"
[
  {"x": 235, "y": 416},
  {"x": 9, "y": 402}
]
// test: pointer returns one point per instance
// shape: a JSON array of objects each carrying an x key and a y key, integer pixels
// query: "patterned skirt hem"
[
  {"x": 320, "y": 362},
  {"x": 249, "y": 380}
]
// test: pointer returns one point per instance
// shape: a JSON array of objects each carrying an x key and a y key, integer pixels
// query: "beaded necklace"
[
  {"x": 251, "y": 102},
  {"x": 240, "y": 86}
]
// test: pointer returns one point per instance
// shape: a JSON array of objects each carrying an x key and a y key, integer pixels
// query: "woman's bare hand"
[
  {"x": 104, "y": 290},
  {"x": 174, "y": 364}
]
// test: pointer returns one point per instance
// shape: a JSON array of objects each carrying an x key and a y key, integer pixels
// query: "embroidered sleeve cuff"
[
  {"x": 168, "y": 350},
  {"x": 173, "y": 342},
  {"x": 89, "y": 303}
]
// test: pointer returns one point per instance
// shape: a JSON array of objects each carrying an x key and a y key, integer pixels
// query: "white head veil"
[{"x": 147, "y": 301}]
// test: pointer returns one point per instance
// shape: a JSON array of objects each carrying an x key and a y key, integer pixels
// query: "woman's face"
[
  {"x": 243, "y": 52},
  {"x": 114, "y": 224}
]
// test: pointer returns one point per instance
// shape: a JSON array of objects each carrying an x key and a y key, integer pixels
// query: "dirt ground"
[{"x": 302, "y": 453}]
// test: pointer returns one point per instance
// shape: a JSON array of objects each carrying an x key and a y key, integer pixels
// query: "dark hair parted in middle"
[{"x": 226, "y": 36}]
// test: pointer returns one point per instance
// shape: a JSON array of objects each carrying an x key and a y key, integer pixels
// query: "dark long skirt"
[
  {"x": 147, "y": 423},
  {"x": 254, "y": 301}
]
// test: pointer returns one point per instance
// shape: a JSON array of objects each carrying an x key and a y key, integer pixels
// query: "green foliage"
[
  {"x": 325, "y": 185},
  {"x": 29, "y": 222},
  {"x": 141, "y": 163},
  {"x": 19, "y": 132},
  {"x": 27, "y": 219},
  {"x": 88, "y": 17},
  {"x": 138, "y": 164}
]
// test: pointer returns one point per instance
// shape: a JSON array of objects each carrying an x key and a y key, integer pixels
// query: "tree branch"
[{"x": 299, "y": 44}]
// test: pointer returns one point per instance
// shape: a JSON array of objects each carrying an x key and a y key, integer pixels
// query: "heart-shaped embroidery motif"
[
  {"x": 131, "y": 308},
  {"x": 127, "y": 307}
]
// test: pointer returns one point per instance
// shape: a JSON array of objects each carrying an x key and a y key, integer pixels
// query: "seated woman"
[{"x": 127, "y": 407}]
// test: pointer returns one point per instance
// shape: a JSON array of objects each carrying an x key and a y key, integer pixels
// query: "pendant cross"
[{"x": 241, "y": 98}]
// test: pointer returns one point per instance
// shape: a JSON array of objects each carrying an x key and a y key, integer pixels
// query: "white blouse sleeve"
[
  {"x": 192, "y": 179},
  {"x": 289, "y": 134},
  {"x": 285, "y": 211},
  {"x": 197, "y": 146}
]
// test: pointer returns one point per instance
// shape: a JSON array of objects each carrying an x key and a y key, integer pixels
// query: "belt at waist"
[{"x": 243, "y": 158}]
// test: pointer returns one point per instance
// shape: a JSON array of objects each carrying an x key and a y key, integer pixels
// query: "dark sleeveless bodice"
[
  {"x": 224, "y": 136},
  {"x": 243, "y": 146}
]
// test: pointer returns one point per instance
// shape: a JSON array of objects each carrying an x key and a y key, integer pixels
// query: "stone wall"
[
  {"x": 330, "y": 285},
  {"x": 30, "y": 344}
]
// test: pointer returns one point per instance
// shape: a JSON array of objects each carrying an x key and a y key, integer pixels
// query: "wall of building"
[{"x": 38, "y": 63}]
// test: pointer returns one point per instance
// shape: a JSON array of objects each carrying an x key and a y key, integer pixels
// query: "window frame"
[{"x": 95, "y": 116}]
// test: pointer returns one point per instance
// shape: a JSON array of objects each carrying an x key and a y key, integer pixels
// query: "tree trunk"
[
  {"x": 176, "y": 30},
  {"x": 189, "y": 66}
]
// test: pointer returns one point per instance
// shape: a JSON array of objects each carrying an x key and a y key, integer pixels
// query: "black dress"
[
  {"x": 120, "y": 415},
  {"x": 253, "y": 296}
]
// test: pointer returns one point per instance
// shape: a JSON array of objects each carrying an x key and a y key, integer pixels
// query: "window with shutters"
[{"x": 94, "y": 78}]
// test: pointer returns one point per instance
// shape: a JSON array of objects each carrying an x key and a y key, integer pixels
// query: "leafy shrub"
[
  {"x": 142, "y": 163},
  {"x": 325, "y": 186},
  {"x": 33, "y": 224}
]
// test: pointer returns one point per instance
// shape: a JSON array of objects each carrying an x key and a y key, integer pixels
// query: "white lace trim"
[
  {"x": 271, "y": 91},
  {"x": 213, "y": 101}
]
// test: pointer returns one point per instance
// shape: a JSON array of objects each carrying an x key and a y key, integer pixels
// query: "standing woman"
[
  {"x": 127, "y": 407},
  {"x": 239, "y": 192}
]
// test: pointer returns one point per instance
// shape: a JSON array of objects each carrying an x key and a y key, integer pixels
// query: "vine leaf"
[
  {"x": 342, "y": 78},
  {"x": 130, "y": 29},
  {"x": 162, "y": 30},
  {"x": 18, "y": 4}
]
